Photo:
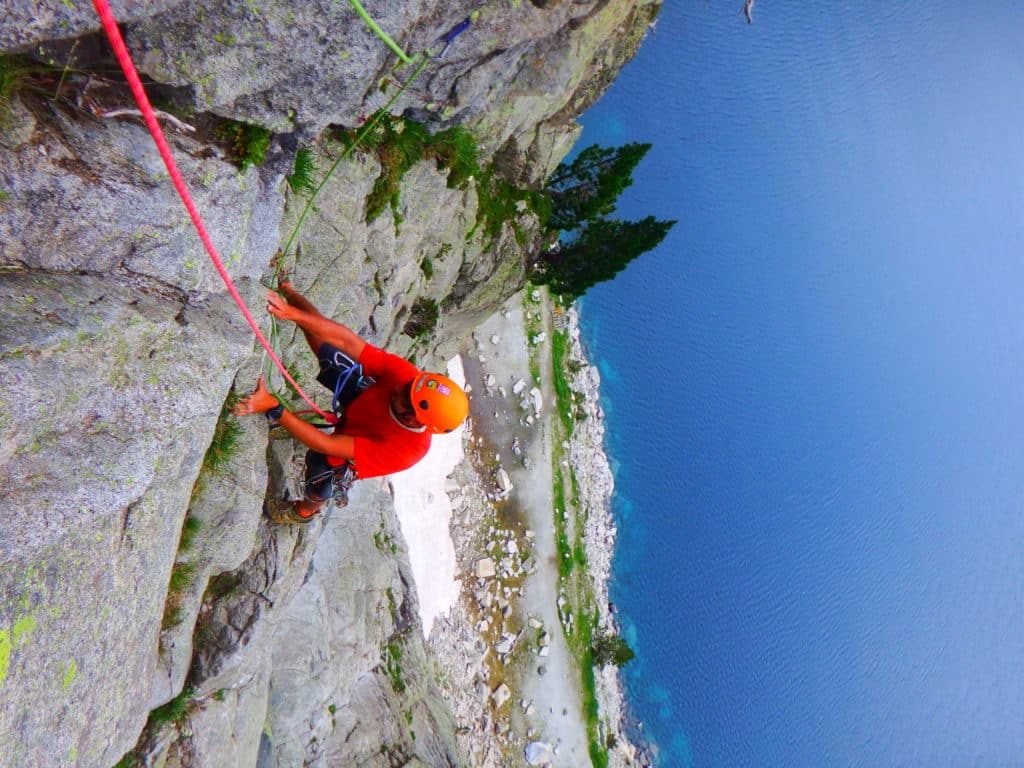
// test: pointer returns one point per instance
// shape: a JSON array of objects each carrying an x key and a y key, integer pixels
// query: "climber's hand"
[
  {"x": 279, "y": 307},
  {"x": 260, "y": 401}
]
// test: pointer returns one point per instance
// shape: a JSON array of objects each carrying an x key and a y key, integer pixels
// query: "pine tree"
[
  {"x": 588, "y": 187},
  {"x": 600, "y": 251}
]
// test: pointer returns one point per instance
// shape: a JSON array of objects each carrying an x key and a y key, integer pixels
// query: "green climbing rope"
[
  {"x": 380, "y": 32},
  {"x": 370, "y": 125}
]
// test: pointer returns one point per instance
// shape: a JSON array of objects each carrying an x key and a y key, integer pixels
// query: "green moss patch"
[
  {"x": 247, "y": 143},
  {"x": 5, "y": 654}
]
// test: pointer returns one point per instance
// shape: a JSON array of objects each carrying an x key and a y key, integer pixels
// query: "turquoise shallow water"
[{"x": 813, "y": 386}]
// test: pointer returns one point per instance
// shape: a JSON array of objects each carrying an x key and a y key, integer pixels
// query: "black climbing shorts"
[
  {"x": 323, "y": 482},
  {"x": 340, "y": 374}
]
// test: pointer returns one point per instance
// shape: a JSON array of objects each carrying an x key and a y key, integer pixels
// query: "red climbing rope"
[{"x": 125, "y": 60}]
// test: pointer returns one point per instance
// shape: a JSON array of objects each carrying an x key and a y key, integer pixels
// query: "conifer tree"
[
  {"x": 599, "y": 252},
  {"x": 588, "y": 187}
]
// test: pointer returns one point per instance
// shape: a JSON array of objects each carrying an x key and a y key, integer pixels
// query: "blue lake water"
[{"x": 814, "y": 385}]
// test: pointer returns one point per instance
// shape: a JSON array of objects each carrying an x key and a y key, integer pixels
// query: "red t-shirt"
[{"x": 382, "y": 445}]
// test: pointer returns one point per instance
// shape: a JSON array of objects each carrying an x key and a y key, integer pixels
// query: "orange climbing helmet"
[{"x": 439, "y": 403}]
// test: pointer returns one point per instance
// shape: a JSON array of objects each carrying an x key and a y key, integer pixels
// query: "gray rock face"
[
  {"x": 348, "y": 656},
  {"x": 26, "y": 23},
  {"x": 117, "y": 347},
  {"x": 289, "y": 65},
  {"x": 110, "y": 396},
  {"x": 86, "y": 195},
  {"x": 226, "y": 506}
]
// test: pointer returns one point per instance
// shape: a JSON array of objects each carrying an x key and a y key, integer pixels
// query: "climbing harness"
[
  {"x": 322, "y": 482},
  {"x": 344, "y": 376}
]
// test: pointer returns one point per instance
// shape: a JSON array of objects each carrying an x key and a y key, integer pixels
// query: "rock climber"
[{"x": 385, "y": 428}]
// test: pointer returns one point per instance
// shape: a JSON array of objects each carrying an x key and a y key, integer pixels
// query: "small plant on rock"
[
  {"x": 303, "y": 178},
  {"x": 175, "y": 710},
  {"x": 247, "y": 143},
  {"x": 225, "y": 441},
  {"x": 189, "y": 530},
  {"x": 422, "y": 318},
  {"x": 12, "y": 75}
]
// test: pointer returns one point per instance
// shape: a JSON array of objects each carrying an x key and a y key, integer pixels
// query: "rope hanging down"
[
  {"x": 124, "y": 59},
  {"x": 375, "y": 28}
]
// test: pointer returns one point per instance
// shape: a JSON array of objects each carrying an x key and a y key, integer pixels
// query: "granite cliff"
[{"x": 138, "y": 578}]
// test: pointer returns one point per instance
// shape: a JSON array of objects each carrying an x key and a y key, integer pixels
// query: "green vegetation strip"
[
  {"x": 400, "y": 143},
  {"x": 569, "y": 522},
  {"x": 564, "y": 394}
]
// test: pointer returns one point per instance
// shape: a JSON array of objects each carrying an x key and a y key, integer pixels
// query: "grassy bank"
[{"x": 579, "y": 614}]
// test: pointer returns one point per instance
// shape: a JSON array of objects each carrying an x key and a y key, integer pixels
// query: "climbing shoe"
[{"x": 287, "y": 512}]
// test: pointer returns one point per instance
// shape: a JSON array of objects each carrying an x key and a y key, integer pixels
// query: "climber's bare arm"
[
  {"x": 261, "y": 401},
  {"x": 341, "y": 446},
  {"x": 295, "y": 307}
]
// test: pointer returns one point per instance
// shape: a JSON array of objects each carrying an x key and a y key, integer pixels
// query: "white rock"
[
  {"x": 519, "y": 386},
  {"x": 537, "y": 399},
  {"x": 485, "y": 568},
  {"x": 500, "y": 695},
  {"x": 539, "y": 753},
  {"x": 505, "y": 483},
  {"x": 495, "y": 339}
]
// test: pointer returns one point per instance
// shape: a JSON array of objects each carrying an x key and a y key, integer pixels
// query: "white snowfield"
[{"x": 425, "y": 512}]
